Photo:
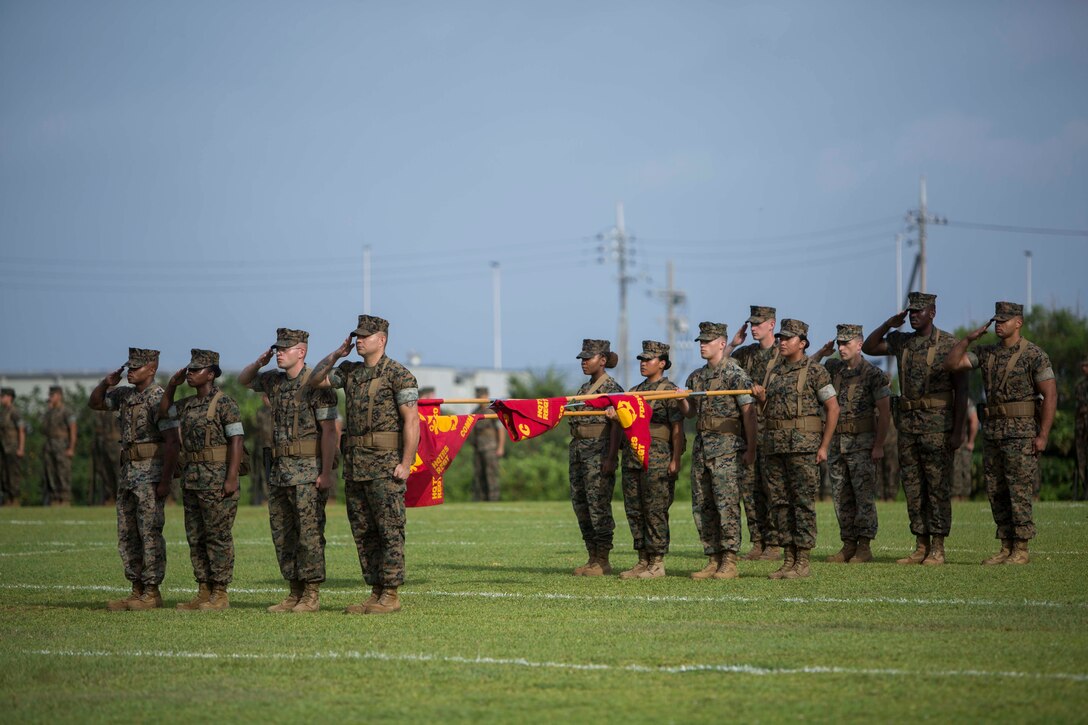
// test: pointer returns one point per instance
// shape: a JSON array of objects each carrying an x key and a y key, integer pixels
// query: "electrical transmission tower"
[{"x": 917, "y": 220}]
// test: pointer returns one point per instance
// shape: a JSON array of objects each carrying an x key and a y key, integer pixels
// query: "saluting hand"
[
  {"x": 178, "y": 378},
  {"x": 345, "y": 349},
  {"x": 897, "y": 320},
  {"x": 827, "y": 349},
  {"x": 971, "y": 337},
  {"x": 265, "y": 357},
  {"x": 114, "y": 378},
  {"x": 740, "y": 337}
]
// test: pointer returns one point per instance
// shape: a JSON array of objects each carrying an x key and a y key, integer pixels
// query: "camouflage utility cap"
[
  {"x": 203, "y": 359},
  {"x": 920, "y": 300},
  {"x": 7, "y": 391},
  {"x": 427, "y": 392},
  {"x": 593, "y": 348},
  {"x": 138, "y": 357},
  {"x": 1007, "y": 310},
  {"x": 846, "y": 333},
  {"x": 711, "y": 331},
  {"x": 653, "y": 349},
  {"x": 368, "y": 325},
  {"x": 286, "y": 337},
  {"x": 55, "y": 389},
  {"x": 793, "y": 328},
  {"x": 761, "y": 314},
  {"x": 483, "y": 392}
]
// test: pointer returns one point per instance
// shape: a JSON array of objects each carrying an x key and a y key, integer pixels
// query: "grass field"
[{"x": 494, "y": 627}]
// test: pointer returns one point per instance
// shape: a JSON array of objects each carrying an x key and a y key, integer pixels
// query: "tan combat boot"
[
  {"x": 375, "y": 595},
  {"x": 756, "y": 552},
  {"x": 845, "y": 554},
  {"x": 203, "y": 594},
  {"x": 788, "y": 560},
  {"x": 121, "y": 605},
  {"x": 919, "y": 554},
  {"x": 310, "y": 601},
  {"x": 800, "y": 568},
  {"x": 655, "y": 569},
  {"x": 863, "y": 554},
  {"x": 637, "y": 570},
  {"x": 935, "y": 557},
  {"x": 599, "y": 566},
  {"x": 1000, "y": 556},
  {"x": 387, "y": 603},
  {"x": 1019, "y": 554},
  {"x": 581, "y": 571},
  {"x": 150, "y": 599},
  {"x": 290, "y": 600},
  {"x": 728, "y": 568},
  {"x": 771, "y": 553},
  {"x": 707, "y": 571},
  {"x": 218, "y": 601}
]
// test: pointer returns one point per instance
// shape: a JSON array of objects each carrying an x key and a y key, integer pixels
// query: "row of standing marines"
[{"x": 761, "y": 450}]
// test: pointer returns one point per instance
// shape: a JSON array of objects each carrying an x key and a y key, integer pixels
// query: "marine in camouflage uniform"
[
  {"x": 858, "y": 444},
  {"x": 106, "y": 457},
  {"x": 648, "y": 494},
  {"x": 59, "y": 429},
  {"x": 757, "y": 360},
  {"x": 591, "y": 470},
  {"x": 12, "y": 448},
  {"x": 489, "y": 444},
  {"x": 303, "y": 444},
  {"x": 930, "y": 418},
  {"x": 149, "y": 448},
  {"x": 723, "y": 457},
  {"x": 962, "y": 484},
  {"x": 1015, "y": 373},
  {"x": 796, "y": 441},
  {"x": 211, "y": 454},
  {"x": 379, "y": 448},
  {"x": 1080, "y": 426},
  {"x": 260, "y": 468}
]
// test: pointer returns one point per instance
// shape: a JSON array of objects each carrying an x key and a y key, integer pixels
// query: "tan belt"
[
  {"x": 589, "y": 430},
  {"x": 719, "y": 424},
  {"x": 143, "y": 451},
  {"x": 857, "y": 425},
  {"x": 927, "y": 402},
  {"x": 805, "y": 424},
  {"x": 1025, "y": 409},
  {"x": 660, "y": 432},
  {"x": 379, "y": 440},
  {"x": 211, "y": 454},
  {"x": 301, "y": 449}
]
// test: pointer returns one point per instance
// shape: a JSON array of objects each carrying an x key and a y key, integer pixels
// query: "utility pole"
[
  {"x": 496, "y": 319},
  {"x": 366, "y": 279},
  {"x": 619, "y": 241},
  {"x": 674, "y": 298},
  {"x": 1027, "y": 308},
  {"x": 918, "y": 219}
]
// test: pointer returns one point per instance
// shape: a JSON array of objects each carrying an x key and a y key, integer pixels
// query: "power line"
[{"x": 1049, "y": 231}]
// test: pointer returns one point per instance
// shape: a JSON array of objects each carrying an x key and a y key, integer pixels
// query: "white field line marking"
[
  {"x": 65, "y": 522},
  {"x": 738, "y": 669},
  {"x": 649, "y": 598},
  {"x": 38, "y": 553}
]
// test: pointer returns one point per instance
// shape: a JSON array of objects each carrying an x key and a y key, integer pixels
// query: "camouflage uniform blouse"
[
  {"x": 916, "y": 380},
  {"x": 858, "y": 390},
  {"x": 1080, "y": 395},
  {"x": 195, "y": 426},
  {"x": 398, "y": 387},
  {"x": 755, "y": 360},
  {"x": 295, "y": 417},
  {"x": 486, "y": 432},
  {"x": 140, "y": 423},
  {"x": 55, "y": 422},
  {"x": 1032, "y": 367},
  {"x": 665, "y": 412},
  {"x": 782, "y": 404},
  {"x": 608, "y": 386},
  {"x": 10, "y": 423},
  {"x": 727, "y": 375}
]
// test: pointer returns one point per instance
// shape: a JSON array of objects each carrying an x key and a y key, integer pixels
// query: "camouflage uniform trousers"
[
  {"x": 961, "y": 472},
  {"x": 209, "y": 519},
  {"x": 1081, "y": 432},
  {"x": 647, "y": 496},
  {"x": 56, "y": 472},
  {"x": 792, "y": 482},
  {"x": 591, "y": 492},
  {"x": 753, "y": 494},
  {"x": 107, "y": 470},
  {"x": 1010, "y": 470},
  {"x": 140, "y": 541},
  {"x": 376, "y": 514},
  {"x": 925, "y": 467},
  {"x": 715, "y": 500},
  {"x": 853, "y": 488},
  {"x": 259, "y": 474},
  {"x": 485, "y": 476},
  {"x": 11, "y": 476},
  {"x": 297, "y": 517}
]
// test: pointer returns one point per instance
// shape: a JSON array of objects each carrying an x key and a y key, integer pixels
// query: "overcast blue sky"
[{"x": 195, "y": 174}]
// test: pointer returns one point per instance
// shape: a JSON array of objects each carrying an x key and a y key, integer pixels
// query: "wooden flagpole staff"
[{"x": 647, "y": 394}]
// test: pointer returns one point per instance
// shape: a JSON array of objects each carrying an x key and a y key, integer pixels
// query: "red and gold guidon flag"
[
  {"x": 440, "y": 440},
  {"x": 633, "y": 413},
  {"x": 527, "y": 418}
]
